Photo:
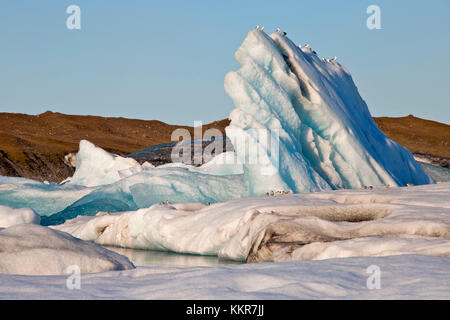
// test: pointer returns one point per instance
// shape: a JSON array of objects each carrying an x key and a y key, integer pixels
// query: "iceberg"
[
  {"x": 321, "y": 133},
  {"x": 299, "y": 126},
  {"x": 173, "y": 183},
  {"x": 45, "y": 199},
  {"x": 327, "y": 137},
  {"x": 97, "y": 167}
]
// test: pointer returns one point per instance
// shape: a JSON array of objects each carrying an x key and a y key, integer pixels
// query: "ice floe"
[
  {"x": 36, "y": 250},
  {"x": 282, "y": 227}
]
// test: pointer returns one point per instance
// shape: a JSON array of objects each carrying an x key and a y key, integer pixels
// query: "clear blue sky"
[{"x": 166, "y": 60}]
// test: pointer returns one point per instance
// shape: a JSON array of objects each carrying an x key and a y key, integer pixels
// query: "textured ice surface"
[
  {"x": 328, "y": 138},
  {"x": 45, "y": 199},
  {"x": 37, "y": 250},
  {"x": 402, "y": 277},
  {"x": 173, "y": 183},
  {"x": 383, "y": 221}
]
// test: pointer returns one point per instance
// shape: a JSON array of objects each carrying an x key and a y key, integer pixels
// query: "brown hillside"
[
  {"x": 418, "y": 135},
  {"x": 35, "y": 146}
]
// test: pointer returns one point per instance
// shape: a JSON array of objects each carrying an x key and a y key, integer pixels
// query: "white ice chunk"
[
  {"x": 97, "y": 167},
  {"x": 10, "y": 216},
  {"x": 36, "y": 250}
]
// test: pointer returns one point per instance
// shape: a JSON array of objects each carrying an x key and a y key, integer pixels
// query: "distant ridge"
[
  {"x": 34, "y": 146},
  {"x": 418, "y": 135}
]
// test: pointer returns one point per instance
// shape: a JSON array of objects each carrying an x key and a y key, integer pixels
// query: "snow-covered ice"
[
  {"x": 45, "y": 199},
  {"x": 401, "y": 277},
  {"x": 10, "y": 216},
  {"x": 36, "y": 250},
  {"x": 343, "y": 223}
]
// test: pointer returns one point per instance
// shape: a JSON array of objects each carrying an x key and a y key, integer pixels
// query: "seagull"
[
  {"x": 257, "y": 27},
  {"x": 262, "y": 28},
  {"x": 283, "y": 33},
  {"x": 334, "y": 59},
  {"x": 307, "y": 45},
  {"x": 278, "y": 30}
]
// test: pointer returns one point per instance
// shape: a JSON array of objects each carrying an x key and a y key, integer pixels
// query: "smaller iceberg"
[{"x": 97, "y": 167}]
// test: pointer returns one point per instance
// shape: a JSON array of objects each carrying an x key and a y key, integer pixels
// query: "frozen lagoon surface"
[
  {"x": 412, "y": 254},
  {"x": 320, "y": 225},
  {"x": 401, "y": 277},
  {"x": 145, "y": 258}
]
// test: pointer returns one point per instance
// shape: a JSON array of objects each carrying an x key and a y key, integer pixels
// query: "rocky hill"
[{"x": 37, "y": 146}]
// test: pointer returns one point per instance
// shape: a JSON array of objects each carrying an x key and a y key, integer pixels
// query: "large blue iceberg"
[
  {"x": 327, "y": 136},
  {"x": 299, "y": 126}
]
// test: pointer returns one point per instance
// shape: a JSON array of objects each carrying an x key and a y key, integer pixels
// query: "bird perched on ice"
[
  {"x": 257, "y": 27},
  {"x": 307, "y": 45},
  {"x": 278, "y": 30},
  {"x": 262, "y": 29},
  {"x": 283, "y": 33},
  {"x": 300, "y": 46},
  {"x": 334, "y": 59}
]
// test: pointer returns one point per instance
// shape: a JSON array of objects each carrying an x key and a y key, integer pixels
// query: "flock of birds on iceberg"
[{"x": 300, "y": 46}]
